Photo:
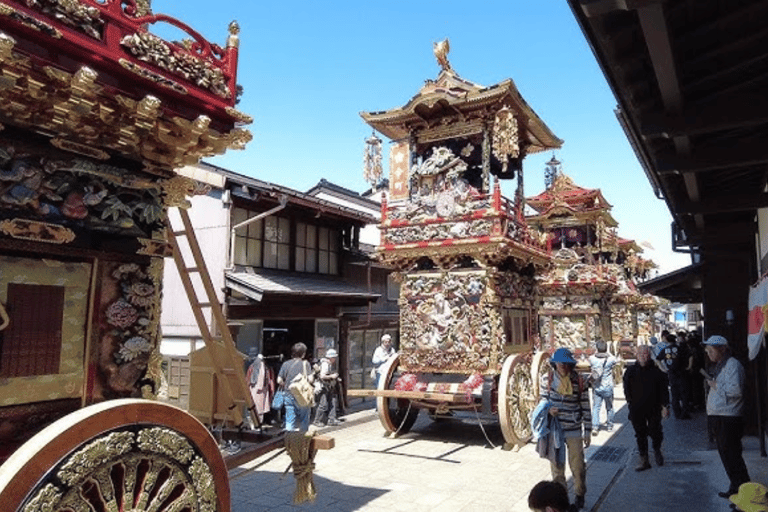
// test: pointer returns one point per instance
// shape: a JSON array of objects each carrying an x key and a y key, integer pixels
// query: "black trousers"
[
  {"x": 680, "y": 394},
  {"x": 647, "y": 423},
  {"x": 728, "y": 433}
]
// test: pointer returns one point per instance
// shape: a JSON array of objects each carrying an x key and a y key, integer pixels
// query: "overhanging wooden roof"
[
  {"x": 690, "y": 80},
  {"x": 682, "y": 285},
  {"x": 92, "y": 78},
  {"x": 450, "y": 94}
]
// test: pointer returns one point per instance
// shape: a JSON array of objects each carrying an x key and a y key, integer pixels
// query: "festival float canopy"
[{"x": 92, "y": 79}]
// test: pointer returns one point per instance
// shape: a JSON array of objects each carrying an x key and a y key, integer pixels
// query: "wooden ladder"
[{"x": 238, "y": 395}]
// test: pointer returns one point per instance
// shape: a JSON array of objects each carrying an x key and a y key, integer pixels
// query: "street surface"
[{"x": 451, "y": 466}]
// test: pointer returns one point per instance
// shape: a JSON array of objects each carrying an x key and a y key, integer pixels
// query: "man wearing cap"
[
  {"x": 328, "y": 404},
  {"x": 725, "y": 408},
  {"x": 569, "y": 403},
  {"x": 382, "y": 354}
]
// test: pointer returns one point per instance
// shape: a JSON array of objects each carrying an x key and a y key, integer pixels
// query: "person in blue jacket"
[{"x": 567, "y": 395}]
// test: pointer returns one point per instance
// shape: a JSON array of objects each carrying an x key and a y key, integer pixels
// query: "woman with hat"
[
  {"x": 328, "y": 403},
  {"x": 725, "y": 409},
  {"x": 569, "y": 403}
]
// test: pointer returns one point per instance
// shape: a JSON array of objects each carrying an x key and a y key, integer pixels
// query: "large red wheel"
[
  {"x": 517, "y": 398},
  {"x": 132, "y": 455},
  {"x": 396, "y": 414}
]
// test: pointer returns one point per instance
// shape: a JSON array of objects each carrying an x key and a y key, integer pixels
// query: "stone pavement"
[{"x": 453, "y": 465}]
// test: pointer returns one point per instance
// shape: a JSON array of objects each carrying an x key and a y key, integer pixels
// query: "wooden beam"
[
  {"x": 593, "y": 8},
  {"x": 250, "y": 452},
  {"x": 724, "y": 204},
  {"x": 654, "y": 25},
  {"x": 725, "y": 156},
  {"x": 411, "y": 395},
  {"x": 728, "y": 113}
]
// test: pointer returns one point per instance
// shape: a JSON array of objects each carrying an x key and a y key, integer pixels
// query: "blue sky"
[{"x": 308, "y": 68}]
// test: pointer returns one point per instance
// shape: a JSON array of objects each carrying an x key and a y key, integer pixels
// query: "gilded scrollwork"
[
  {"x": 44, "y": 500},
  {"x": 80, "y": 464},
  {"x": 504, "y": 140},
  {"x": 166, "y": 442},
  {"x": 444, "y": 231},
  {"x": 153, "y": 50},
  {"x": 29, "y": 21},
  {"x": 127, "y": 470},
  {"x": 204, "y": 485},
  {"x": 73, "y": 13}
]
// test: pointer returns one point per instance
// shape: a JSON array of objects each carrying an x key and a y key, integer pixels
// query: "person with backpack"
[
  {"x": 601, "y": 379},
  {"x": 677, "y": 359},
  {"x": 296, "y": 415},
  {"x": 564, "y": 391}
]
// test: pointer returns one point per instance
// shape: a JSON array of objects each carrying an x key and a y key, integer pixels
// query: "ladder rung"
[
  {"x": 180, "y": 233},
  {"x": 203, "y": 304},
  {"x": 191, "y": 270}
]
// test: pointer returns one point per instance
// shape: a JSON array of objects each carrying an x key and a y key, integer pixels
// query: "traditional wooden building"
[
  {"x": 287, "y": 266},
  {"x": 363, "y": 326}
]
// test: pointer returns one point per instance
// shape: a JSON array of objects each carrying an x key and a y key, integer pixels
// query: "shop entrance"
[{"x": 279, "y": 336}]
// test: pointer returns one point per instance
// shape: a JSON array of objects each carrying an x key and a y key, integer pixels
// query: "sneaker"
[
  {"x": 333, "y": 423},
  {"x": 609, "y": 428},
  {"x": 318, "y": 424},
  {"x": 594, "y": 432}
]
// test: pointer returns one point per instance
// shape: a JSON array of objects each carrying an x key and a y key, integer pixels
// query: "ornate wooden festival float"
[
  {"x": 589, "y": 293},
  {"x": 96, "y": 113},
  {"x": 464, "y": 254}
]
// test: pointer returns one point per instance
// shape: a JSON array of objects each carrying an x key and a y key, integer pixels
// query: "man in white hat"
[
  {"x": 381, "y": 355},
  {"x": 328, "y": 403},
  {"x": 725, "y": 408}
]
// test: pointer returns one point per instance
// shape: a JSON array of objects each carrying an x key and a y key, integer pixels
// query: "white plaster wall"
[{"x": 210, "y": 219}]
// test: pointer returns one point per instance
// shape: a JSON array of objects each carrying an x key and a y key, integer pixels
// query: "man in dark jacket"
[{"x": 645, "y": 389}]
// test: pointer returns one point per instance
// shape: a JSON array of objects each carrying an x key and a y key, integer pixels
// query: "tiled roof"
[{"x": 257, "y": 283}]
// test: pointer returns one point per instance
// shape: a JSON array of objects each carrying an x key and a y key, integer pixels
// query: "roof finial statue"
[{"x": 441, "y": 50}]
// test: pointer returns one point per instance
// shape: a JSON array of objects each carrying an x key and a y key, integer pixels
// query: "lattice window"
[{"x": 31, "y": 344}]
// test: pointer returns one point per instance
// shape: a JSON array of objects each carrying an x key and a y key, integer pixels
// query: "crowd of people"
[
  {"x": 678, "y": 372},
  {"x": 323, "y": 375}
]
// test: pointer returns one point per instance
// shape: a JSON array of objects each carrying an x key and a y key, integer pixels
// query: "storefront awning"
[
  {"x": 263, "y": 283},
  {"x": 682, "y": 285}
]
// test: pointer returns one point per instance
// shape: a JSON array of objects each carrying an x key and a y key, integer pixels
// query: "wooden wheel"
[
  {"x": 539, "y": 368},
  {"x": 395, "y": 414},
  {"x": 127, "y": 454},
  {"x": 517, "y": 398},
  {"x": 618, "y": 371}
]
